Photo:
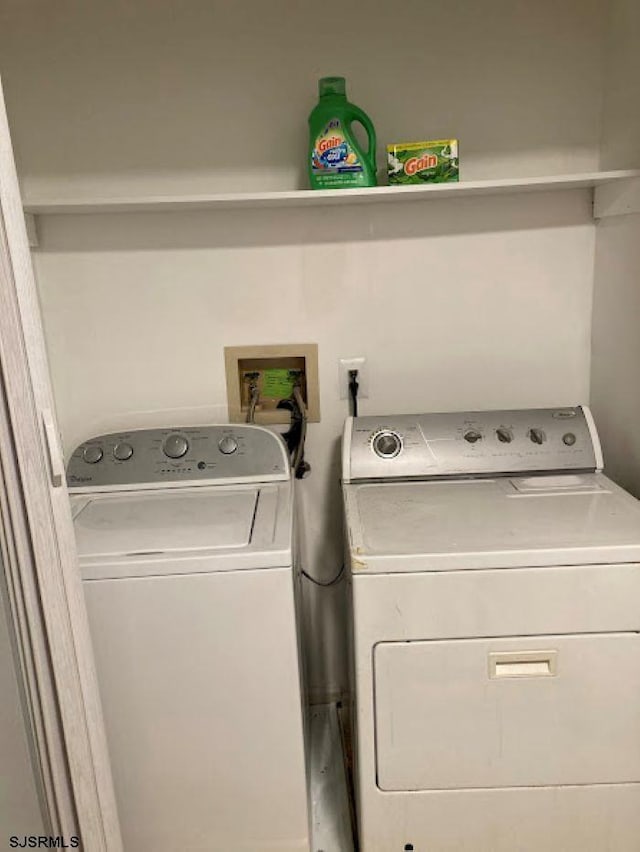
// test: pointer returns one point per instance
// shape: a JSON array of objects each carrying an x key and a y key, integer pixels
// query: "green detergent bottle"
[{"x": 336, "y": 159}]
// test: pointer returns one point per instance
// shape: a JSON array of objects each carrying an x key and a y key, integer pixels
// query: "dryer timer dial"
[{"x": 386, "y": 444}]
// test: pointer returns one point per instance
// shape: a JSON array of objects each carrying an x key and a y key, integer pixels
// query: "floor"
[{"x": 331, "y": 825}]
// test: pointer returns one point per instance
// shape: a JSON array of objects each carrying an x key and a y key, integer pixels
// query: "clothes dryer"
[{"x": 495, "y": 578}]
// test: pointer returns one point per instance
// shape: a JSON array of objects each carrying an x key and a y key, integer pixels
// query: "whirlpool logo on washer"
[{"x": 74, "y": 478}]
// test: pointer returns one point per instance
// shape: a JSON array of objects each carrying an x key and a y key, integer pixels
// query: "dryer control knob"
[
  {"x": 537, "y": 436},
  {"x": 123, "y": 451},
  {"x": 472, "y": 436},
  {"x": 175, "y": 446},
  {"x": 227, "y": 445},
  {"x": 504, "y": 435},
  {"x": 92, "y": 454},
  {"x": 387, "y": 445}
]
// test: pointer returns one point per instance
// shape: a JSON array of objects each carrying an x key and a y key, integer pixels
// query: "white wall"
[
  {"x": 214, "y": 94},
  {"x": 472, "y": 303},
  {"x": 616, "y": 322},
  {"x": 462, "y": 304}
]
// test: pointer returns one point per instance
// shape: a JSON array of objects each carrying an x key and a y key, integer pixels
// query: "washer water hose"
[
  {"x": 253, "y": 400},
  {"x": 295, "y": 437},
  {"x": 298, "y": 462}
]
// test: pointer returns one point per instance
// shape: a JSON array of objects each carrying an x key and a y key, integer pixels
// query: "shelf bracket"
[
  {"x": 620, "y": 198},
  {"x": 32, "y": 229}
]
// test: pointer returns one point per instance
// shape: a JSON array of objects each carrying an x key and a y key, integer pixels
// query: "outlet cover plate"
[{"x": 359, "y": 364}]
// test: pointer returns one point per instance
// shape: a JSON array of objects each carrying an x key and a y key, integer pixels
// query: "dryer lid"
[
  {"x": 452, "y": 525},
  {"x": 135, "y": 523}
]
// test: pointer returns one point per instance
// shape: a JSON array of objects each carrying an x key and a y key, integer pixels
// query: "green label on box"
[
  {"x": 277, "y": 383},
  {"x": 423, "y": 162}
]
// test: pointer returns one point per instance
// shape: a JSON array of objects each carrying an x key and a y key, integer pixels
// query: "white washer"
[
  {"x": 185, "y": 546},
  {"x": 496, "y": 608}
]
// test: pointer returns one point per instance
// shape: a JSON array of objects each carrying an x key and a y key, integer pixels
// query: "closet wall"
[
  {"x": 616, "y": 322},
  {"x": 455, "y": 304}
]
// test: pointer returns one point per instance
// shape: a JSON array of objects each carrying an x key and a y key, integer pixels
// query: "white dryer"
[
  {"x": 496, "y": 655},
  {"x": 185, "y": 547}
]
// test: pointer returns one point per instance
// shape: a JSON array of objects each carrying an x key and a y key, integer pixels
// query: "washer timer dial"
[
  {"x": 92, "y": 454},
  {"x": 227, "y": 445},
  {"x": 386, "y": 444},
  {"x": 123, "y": 451},
  {"x": 175, "y": 446}
]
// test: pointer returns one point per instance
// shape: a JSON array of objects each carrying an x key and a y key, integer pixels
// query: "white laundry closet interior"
[{"x": 124, "y": 114}]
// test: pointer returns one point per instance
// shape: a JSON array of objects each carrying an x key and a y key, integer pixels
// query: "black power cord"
[
  {"x": 333, "y": 582},
  {"x": 353, "y": 391}
]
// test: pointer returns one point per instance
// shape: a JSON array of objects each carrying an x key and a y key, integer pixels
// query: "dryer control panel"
[
  {"x": 470, "y": 443},
  {"x": 189, "y": 455}
]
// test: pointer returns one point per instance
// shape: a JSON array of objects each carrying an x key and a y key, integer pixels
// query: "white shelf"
[{"x": 320, "y": 198}]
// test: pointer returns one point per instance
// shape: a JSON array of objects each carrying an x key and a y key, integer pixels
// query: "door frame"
[{"x": 37, "y": 546}]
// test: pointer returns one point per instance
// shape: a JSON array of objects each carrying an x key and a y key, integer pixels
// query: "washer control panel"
[
  {"x": 470, "y": 443},
  {"x": 192, "y": 454}
]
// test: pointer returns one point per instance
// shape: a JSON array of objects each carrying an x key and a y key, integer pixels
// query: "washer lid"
[
  {"x": 184, "y": 530},
  {"x": 135, "y": 523},
  {"x": 418, "y": 526}
]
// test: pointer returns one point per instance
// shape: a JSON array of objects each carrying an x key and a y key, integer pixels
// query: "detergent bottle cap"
[{"x": 332, "y": 86}]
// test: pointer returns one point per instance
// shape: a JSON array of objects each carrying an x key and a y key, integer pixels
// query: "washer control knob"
[
  {"x": 123, "y": 451},
  {"x": 472, "y": 435},
  {"x": 504, "y": 435},
  {"x": 569, "y": 439},
  {"x": 387, "y": 445},
  {"x": 537, "y": 436},
  {"x": 175, "y": 446},
  {"x": 227, "y": 445},
  {"x": 92, "y": 454}
]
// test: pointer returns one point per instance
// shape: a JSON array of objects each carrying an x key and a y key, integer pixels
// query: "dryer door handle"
[{"x": 523, "y": 664}]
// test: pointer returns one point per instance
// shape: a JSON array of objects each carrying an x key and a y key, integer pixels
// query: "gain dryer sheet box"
[{"x": 423, "y": 162}]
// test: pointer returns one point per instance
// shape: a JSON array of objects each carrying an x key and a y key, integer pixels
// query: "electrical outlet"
[{"x": 359, "y": 364}]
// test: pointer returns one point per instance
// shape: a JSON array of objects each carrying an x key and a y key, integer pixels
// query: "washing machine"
[
  {"x": 495, "y": 582},
  {"x": 185, "y": 546}
]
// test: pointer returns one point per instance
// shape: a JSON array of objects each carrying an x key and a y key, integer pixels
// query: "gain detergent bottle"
[{"x": 336, "y": 160}]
